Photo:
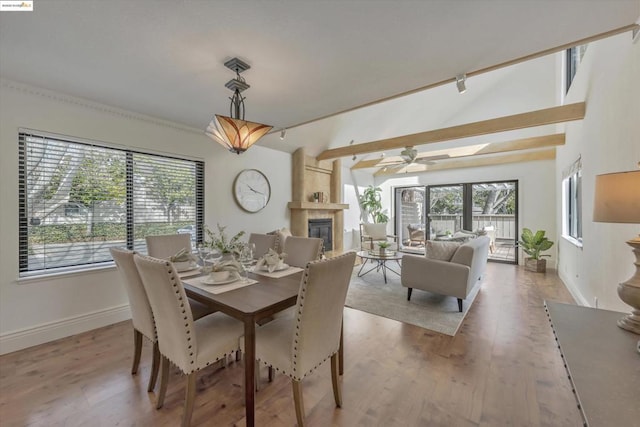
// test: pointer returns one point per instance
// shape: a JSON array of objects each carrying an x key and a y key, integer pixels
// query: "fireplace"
[{"x": 322, "y": 228}]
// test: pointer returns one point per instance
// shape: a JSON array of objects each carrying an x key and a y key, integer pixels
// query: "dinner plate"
[
  {"x": 282, "y": 267},
  {"x": 209, "y": 281}
]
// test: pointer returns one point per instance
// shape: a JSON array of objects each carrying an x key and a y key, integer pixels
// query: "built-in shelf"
[{"x": 318, "y": 206}]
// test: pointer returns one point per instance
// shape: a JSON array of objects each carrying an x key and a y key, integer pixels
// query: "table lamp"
[{"x": 617, "y": 200}]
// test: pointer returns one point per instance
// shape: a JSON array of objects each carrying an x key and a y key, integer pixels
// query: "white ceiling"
[{"x": 309, "y": 58}]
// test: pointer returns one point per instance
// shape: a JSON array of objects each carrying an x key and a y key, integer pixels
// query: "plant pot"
[{"x": 535, "y": 265}]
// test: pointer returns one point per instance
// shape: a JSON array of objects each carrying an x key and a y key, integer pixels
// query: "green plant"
[
  {"x": 384, "y": 245},
  {"x": 220, "y": 242},
  {"x": 371, "y": 202},
  {"x": 533, "y": 244}
]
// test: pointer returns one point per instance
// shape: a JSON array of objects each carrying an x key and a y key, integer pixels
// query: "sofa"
[{"x": 448, "y": 268}]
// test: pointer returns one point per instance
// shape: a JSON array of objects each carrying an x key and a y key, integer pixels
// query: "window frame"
[
  {"x": 24, "y": 222},
  {"x": 572, "y": 205}
]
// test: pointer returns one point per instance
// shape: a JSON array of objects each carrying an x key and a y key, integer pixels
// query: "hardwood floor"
[{"x": 502, "y": 368}]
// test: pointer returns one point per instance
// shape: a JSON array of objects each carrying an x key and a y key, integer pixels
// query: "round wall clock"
[{"x": 252, "y": 190}]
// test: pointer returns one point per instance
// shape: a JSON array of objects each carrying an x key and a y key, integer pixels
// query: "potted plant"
[
  {"x": 383, "y": 246},
  {"x": 533, "y": 244},
  {"x": 229, "y": 248},
  {"x": 371, "y": 204}
]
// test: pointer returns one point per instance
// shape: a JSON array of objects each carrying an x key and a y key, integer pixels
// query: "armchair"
[
  {"x": 416, "y": 234},
  {"x": 372, "y": 234},
  {"x": 455, "y": 276}
]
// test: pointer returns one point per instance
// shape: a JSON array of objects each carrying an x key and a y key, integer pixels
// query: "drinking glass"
[
  {"x": 203, "y": 253},
  {"x": 246, "y": 259}
]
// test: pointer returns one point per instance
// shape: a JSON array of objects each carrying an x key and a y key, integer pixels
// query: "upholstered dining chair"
[
  {"x": 165, "y": 246},
  {"x": 297, "y": 345},
  {"x": 141, "y": 314},
  {"x": 301, "y": 250},
  {"x": 263, "y": 243},
  {"x": 190, "y": 345}
]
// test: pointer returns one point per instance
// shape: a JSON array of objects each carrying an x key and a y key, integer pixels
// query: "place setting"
[{"x": 272, "y": 265}]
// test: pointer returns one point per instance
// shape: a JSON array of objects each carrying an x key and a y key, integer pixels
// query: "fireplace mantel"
[{"x": 318, "y": 206}]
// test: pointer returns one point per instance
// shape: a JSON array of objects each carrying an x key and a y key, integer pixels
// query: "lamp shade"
[
  {"x": 235, "y": 134},
  {"x": 617, "y": 198}
]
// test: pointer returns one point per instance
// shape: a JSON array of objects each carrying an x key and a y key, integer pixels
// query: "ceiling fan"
[{"x": 410, "y": 155}]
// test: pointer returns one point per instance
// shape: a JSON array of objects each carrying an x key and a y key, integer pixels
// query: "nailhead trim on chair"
[{"x": 294, "y": 375}]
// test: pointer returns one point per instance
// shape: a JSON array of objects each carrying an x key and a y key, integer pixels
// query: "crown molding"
[{"x": 92, "y": 105}]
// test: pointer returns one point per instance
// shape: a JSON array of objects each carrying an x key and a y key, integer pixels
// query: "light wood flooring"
[{"x": 501, "y": 369}]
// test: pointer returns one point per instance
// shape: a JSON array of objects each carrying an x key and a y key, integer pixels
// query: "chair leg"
[
  {"x": 155, "y": 366},
  {"x": 189, "y": 399},
  {"x": 337, "y": 394},
  {"x": 298, "y": 402},
  {"x": 270, "y": 373},
  {"x": 238, "y": 355},
  {"x": 257, "y": 377},
  {"x": 409, "y": 290},
  {"x": 137, "y": 351},
  {"x": 460, "y": 305},
  {"x": 164, "y": 380}
]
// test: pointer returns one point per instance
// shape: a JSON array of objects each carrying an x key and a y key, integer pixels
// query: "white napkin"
[{"x": 272, "y": 260}]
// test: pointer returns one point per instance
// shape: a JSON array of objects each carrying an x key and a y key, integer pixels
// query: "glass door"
[
  {"x": 445, "y": 210},
  {"x": 410, "y": 217},
  {"x": 495, "y": 211}
]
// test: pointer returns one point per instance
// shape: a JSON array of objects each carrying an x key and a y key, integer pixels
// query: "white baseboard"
[
  {"x": 17, "y": 340},
  {"x": 573, "y": 290}
]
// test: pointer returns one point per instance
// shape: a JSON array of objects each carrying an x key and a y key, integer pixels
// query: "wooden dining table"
[{"x": 250, "y": 304}]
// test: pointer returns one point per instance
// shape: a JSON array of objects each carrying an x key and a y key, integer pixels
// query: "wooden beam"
[
  {"x": 546, "y": 154},
  {"x": 633, "y": 28},
  {"x": 471, "y": 150},
  {"x": 547, "y": 116}
]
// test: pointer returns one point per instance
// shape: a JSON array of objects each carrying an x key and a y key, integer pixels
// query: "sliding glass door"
[{"x": 435, "y": 212}]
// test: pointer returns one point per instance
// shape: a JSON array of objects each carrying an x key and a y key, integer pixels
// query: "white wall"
[
  {"x": 40, "y": 310},
  {"x": 353, "y": 184},
  {"x": 608, "y": 140}
]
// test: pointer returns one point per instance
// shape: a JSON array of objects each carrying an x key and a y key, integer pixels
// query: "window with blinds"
[{"x": 78, "y": 199}]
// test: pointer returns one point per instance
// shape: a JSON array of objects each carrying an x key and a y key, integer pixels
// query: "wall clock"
[{"x": 251, "y": 190}]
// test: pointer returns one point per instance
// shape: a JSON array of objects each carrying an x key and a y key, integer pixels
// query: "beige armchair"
[
  {"x": 297, "y": 345},
  {"x": 454, "y": 277},
  {"x": 190, "y": 345},
  {"x": 372, "y": 234}
]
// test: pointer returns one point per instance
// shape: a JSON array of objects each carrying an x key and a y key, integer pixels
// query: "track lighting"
[
  {"x": 354, "y": 158},
  {"x": 283, "y": 133},
  {"x": 460, "y": 83}
]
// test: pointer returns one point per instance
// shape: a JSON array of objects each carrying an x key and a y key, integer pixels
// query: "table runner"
[{"x": 218, "y": 289}]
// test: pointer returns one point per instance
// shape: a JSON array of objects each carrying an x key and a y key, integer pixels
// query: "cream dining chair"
[
  {"x": 141, "y": 315},
  {"x": 297, "y": 345},
  {"x": 190, "y": 345},
  {"x": 263, "y": 243},
  {"x": 165, "y": 246},
  {"x": 301, "y": 250}
]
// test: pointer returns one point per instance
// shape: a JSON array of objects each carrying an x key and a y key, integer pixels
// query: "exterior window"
[
  {"x": 572, "y": 203},
  {"x": 573, "y": 58},
  {"x": 78, "y": 199}
]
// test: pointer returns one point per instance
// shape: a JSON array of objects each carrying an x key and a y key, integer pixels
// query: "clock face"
[{"x": 252, "y": 190}]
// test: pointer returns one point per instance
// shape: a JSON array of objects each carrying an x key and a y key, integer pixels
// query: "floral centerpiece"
[{"x": 220, "y": 242}]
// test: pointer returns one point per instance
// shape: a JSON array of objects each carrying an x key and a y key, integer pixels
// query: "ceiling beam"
[
  {"x": 546, "y": 116},
  {"x": 471, "y": 150},
  {"x": 546, "y": 154}
]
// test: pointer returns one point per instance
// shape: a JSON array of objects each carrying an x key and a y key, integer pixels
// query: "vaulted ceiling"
[{"x": 309, "y": 59}]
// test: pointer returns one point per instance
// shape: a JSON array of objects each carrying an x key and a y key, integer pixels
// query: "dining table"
[{"x": 252, "y": 304}]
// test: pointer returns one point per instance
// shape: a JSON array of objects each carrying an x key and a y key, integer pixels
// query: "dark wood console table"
[{"x": 602, "y": 363}]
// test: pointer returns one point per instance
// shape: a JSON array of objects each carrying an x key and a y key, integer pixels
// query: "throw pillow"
[{"x": 442, "y": 251}]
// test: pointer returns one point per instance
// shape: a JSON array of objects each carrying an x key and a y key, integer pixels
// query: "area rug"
[{"x": 428, "y": 310}]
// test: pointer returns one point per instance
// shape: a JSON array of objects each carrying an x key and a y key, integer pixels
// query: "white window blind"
[{"x": 78, "y": 199}]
